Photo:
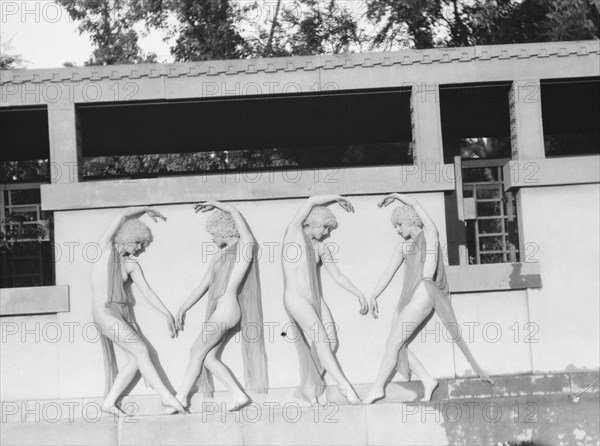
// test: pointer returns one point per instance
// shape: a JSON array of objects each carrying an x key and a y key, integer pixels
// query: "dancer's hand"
[
  {"x": 180, "y": 321},
  {"x": 172, "y": 326},
  {"x": 345, "y": 204},
  {"x": 154, "y": 214},
  {"x": 206, "y": 206},
  {"x": 364, "y": 306},
  {"x": 406, "y": 199},
  {"x": 374, "y": 308},
  {"x": 389, "y": 199}
]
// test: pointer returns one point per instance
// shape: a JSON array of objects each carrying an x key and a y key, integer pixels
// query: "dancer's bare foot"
[
  {"x": 349, "y": 393},
  {"x": 238, "y": 400},
  {"x": 322, "y": 398},
  {"x": 487, "y": 379},
  {"x": 111, "y": 408},
  {"x": 374, "y": 395},
  {"x": 429, "y": 387},
  {"x": 172, "y": 406}
]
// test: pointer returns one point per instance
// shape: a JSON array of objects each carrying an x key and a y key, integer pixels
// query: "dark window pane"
[
  {"x": 25, "y": 196},
  {"x": 24, "y": 171},
  {"x": 573, "y": 144},
  {"x": 490, "y": 226},
  {"x": 492, "y": 258},
  {"x": 27, "y": 264},
  {"x": 247, "y": 160},
  {"x": 487, "y": 193},
  {"x": 490, "y": 244},
  {"x": 488, "y": 209},
  {"x": 473, "y": 148},
  {"x": 480, "y": 174},
  {"x": 23, "y": 215}
]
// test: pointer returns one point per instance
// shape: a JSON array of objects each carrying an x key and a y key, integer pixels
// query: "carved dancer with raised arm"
[
  {"x": 121, "y": 243},
  {"x": 234, "y": 303},
  {"x": 425, "y": 288},
  {"x": 304, "y": 303}
]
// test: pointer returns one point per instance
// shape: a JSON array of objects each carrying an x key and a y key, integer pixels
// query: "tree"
[
  {"x": 10, "y": 61},
  {"x": 484, "y": 22},
  {"x": 204, "y": 30},
  {"x": 221, "y": 29},
  {"x": 110, "y": 24}
]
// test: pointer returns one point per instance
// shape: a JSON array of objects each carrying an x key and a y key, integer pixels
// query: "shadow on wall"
[{"x": 524, "y": 421}]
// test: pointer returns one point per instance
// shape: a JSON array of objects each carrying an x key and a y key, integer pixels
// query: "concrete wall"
[
  {"x": 561, "y": 225},
  {"x": 68, "y": 357},
  {"x": 514, "y": 331},
  {"x": 59, "y": 356}
]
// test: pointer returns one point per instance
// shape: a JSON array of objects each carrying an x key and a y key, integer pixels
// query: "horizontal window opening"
[
  {"x": 154, "y": 165},
  {"x": 342, "y": 129},
  {"x": 571, "y": 116}
]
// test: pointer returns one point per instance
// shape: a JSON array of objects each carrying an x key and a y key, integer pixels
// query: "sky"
[
  {"x": 45, "y": 36},
  {"x": 42, "y": 32}
]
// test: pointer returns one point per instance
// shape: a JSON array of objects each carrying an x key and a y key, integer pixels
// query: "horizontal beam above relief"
[
  {"x": 261, "y": 185},
  {"x": 551, "y": 172},
  {"x": 300, "y": 74}
]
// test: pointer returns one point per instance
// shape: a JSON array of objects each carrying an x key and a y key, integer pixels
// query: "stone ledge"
[
  {"x": 494, "y": 277},
  {"x": 552, "y": 172},
  {"x": 34, "y": 300},
  {"x": 303, "y": 63},
  {"x": 261, "y": 185},
  {"x": 505, "y": 386},
  {"x": 541, "y": 419}
]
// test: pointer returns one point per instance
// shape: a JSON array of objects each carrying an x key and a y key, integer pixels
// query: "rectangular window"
[
  {"x": 481, "y": 223},
  {"x": 26, "y": 237},
  {"x": 248, "y": 133},
  {"x": 570, "y": 116},
  {"x": 489, "y": 213}
]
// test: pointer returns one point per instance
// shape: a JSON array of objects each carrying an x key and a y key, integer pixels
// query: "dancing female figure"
[
  {"x": 234, "y": 303},
  {"x": 425, "y": 288},
  {"x": 303, "y": 301},
  {"x": 123, "y": 240}
]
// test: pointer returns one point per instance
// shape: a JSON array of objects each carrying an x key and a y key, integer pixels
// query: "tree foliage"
[
  {"x": 110, "y": 25},
  {"x": 224, "y": 29},
  {"x": 431, "y": 23},
  {"x": 10, "y": 61},
  {"x": 203, "y": 30}
]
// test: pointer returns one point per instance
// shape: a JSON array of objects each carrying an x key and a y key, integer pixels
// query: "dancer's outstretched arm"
[
  {"x": 340, "y": 278},
  {"x": 429, "y": 228},
  {"x": 194, "y": 297},
  {"x": 137, "y": 275},
  {"x": 386, "y": 277},
  {"x": 317, "y": 200},
  {"x": 106, "y": 238},
  {"x": 247, "y": 245}
]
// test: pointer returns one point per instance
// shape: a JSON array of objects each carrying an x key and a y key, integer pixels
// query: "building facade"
[{"x": 518, "y": 217}]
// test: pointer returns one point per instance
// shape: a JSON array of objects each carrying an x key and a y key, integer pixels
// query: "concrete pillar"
[
  {"x": 66, "y": 164},
  {"x": 426, "y": 124},
  {"x": 526, "y": 129}
]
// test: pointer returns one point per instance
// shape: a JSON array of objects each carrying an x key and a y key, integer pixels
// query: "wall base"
[{"x": 541, "y": 409}]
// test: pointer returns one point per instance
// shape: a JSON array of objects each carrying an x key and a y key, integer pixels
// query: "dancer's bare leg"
[
  {"x": 306, "y": 317},
  {"x": 331, "y": 331},
  {"x": 330, "y": 328},
  {"x": 429, "y": 382},
  {"x": 238, "y": 397},
  {"x": 226, "y": 316},
  {"x": 122, "y": 380},
  {"x": 122, "y": 335},
  {"x": 411, "y": 316}
]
